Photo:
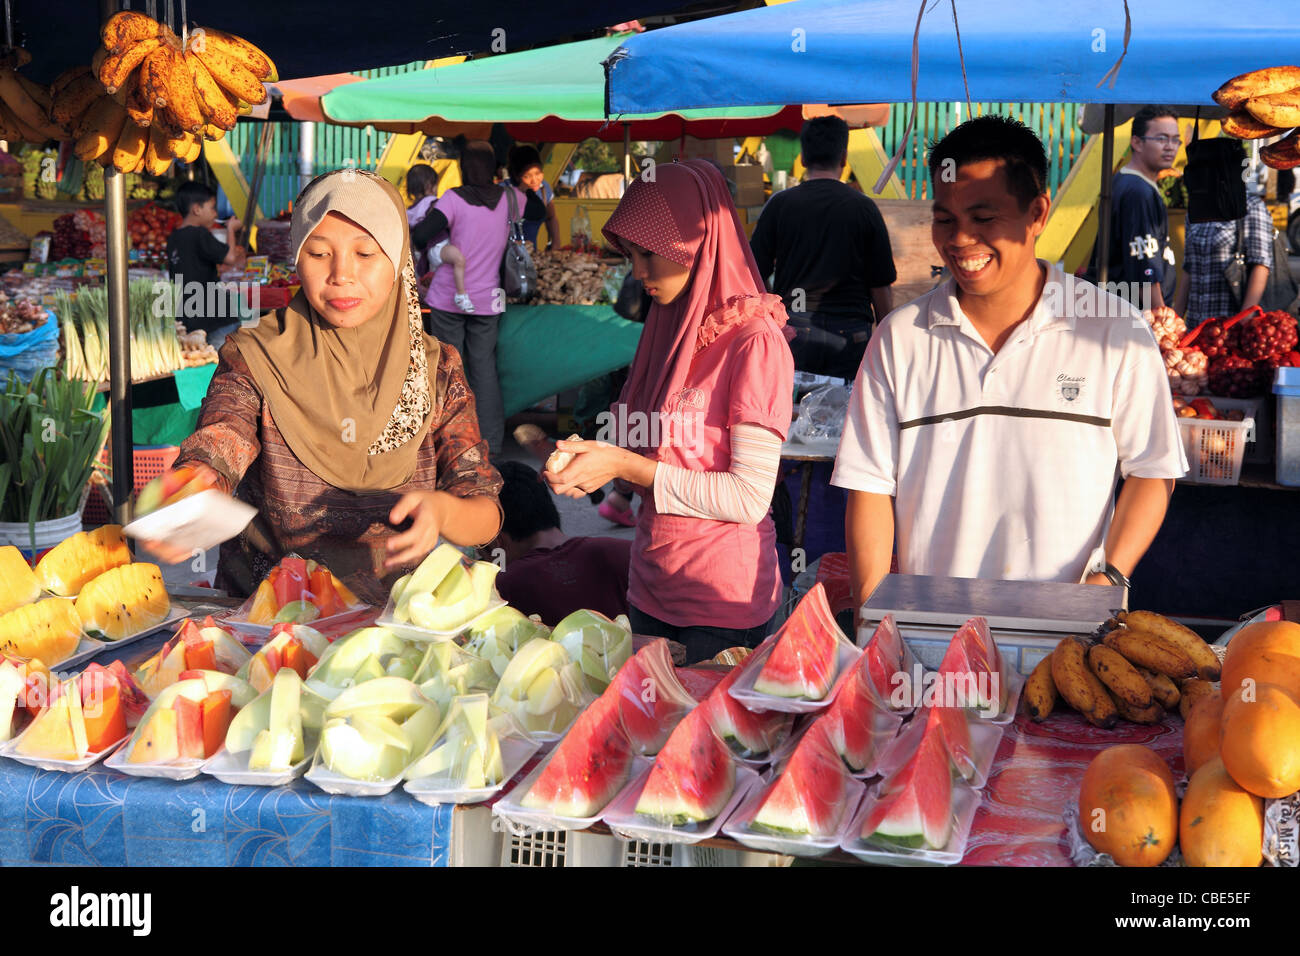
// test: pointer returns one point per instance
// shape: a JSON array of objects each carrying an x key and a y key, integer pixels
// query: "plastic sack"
[
  {"x": 363, "y": 655},
  {"x": 692, "y": 787},
  {"x": 821, "y": 414},
  {"x": 795, "y": 669},
  {"x": 751, "y": 734},
  {"x": 472, "y": 754},
  {"x": 804, "y": 807},
  {"x": 28, "y": 352},
  {"x": 542, "y": 688},
  {"x": 651, "y": 700}
]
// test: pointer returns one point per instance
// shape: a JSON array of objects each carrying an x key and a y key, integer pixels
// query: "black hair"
[
  {"x": 997, "y": 137},
  {"x": 421, "y": 180},
  {"x": 192, "y": 193},
  {"x": 1143, "y": 117},
  {"x": 823, "y": 142},
  {"x": 526, "y": 501},
  {"x": 522, "y": 159}
]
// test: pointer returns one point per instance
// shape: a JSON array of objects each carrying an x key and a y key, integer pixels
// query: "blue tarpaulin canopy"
[{"x": 860, "y": 51}]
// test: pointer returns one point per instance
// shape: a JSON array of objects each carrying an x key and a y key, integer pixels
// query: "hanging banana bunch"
[
  {"x": 147, "y": 98},
  {"x": 24, "y": 105}
]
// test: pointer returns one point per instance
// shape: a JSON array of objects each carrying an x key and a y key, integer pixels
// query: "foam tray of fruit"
[
  {"x": 522, "y": 819},
  {"x": 985, "y": 737},
  {"x": 85, "y": 719},
  {"x": 473, "y": 755},
  {"x": 193, "y": 647},
  {"x": 621, "y": 816},
  {"x": 297, "y": 591},
  {"x": 184, "y": 727},
  {"x": 740, "y": 826},
  {"x": 272, "y": 740},
  {"x": 744, "y": 690},
  {"x": 442, "y": 598},
  {"x": 891, "y": 852}
]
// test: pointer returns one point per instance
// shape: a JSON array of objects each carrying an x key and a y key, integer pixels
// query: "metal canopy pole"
[
  {"x": 1103, "y": 204},
  {"x": 627, "y": 153},
  {"x": 119, "y": 332}
]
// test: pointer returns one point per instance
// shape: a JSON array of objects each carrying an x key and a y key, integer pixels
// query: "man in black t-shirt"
[
  {"x": 194, "y": 258},
  {"x": 830, "y": 248}
]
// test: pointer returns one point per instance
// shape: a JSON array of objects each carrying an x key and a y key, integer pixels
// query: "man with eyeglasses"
[{"x": 1139, "y": 255}]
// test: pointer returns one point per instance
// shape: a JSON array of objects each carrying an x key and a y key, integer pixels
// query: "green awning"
[{"x": 555, "y": 88}]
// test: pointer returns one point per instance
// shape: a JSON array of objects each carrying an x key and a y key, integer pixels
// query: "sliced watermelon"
[
  {"x": 810, "y": 794},
  {"x": 858, "y": 721},
  {"x": 692, "y": 778},
  {"x": 650, "y": 698},
  {"x": 971, "y": 669},
  {"x": 589, "y": 766},
  {"x": 749, "y": 733},
  {"x": 803, "y": 661},
  {"x": 914, "y": 807},
  {"x": 954, "y": 727},
  {"x": 889, "y": 664}
]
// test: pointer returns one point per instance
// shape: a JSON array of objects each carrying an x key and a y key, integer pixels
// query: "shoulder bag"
[{"x": 518, "y": 273}]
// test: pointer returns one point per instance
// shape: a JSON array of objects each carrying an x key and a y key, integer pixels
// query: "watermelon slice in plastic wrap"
[
  {"x": 809, "y": 795},
  {"x": 954, "y": 727},
  {"x": 972, "y": 668},
  {"x": 650, "y": 698},
  {"x": 890, "y": 666},
  {"x": 914, "y": 805},
  {"x": 588, "y": 767},
  {"x": 749, "y": 733},
  {"x": 802, "y": 663},
  {"x": 692, "y": 778},
  {"x": 858, "y": 722}
]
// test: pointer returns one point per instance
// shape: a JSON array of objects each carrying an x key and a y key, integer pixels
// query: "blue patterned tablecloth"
[
  {"x": 103, "y": 818},
  {"x": 100, "y": 817}
]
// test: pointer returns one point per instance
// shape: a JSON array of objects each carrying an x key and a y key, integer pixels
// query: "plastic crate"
[
  {"x": 1259, "y": 450},
  {"x": 1215, "y": 449},
  {"x": 149, "y": 462},
  {"x": 640, "y": 854},
  {"x": 554, "y": 848}
]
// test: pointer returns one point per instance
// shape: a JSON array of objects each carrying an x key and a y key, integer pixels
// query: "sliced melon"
[
  {"x": 49, "y": 630},
  {"x": 18, "y": 584},
  {"x": 74, "y": 562},
  {"x": 123, "y": 601},
  {"x": 50, "y": 734}
]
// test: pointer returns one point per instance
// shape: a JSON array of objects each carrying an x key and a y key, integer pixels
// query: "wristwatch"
[{"x": 1115, "y": 575}]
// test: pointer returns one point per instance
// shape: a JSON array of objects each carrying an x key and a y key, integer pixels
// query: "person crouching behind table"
[
  {"x": 546, "y": 572},
  {"x": 196, "y": 256},
  {"x": 337, "y": 417}
]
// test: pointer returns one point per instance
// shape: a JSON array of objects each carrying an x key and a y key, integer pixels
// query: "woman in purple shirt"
[{"x": 476, "y": 215}]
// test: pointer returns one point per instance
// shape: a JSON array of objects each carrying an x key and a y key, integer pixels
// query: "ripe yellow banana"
[
  {"x": 232, "y": 75},
  {"x": 139, "y": 107},
  {"x": 216, "y": 107},
  {"x": 194, "y": 149},
  {"x": 21, "y": 131},
  {"x": 182, "y": 103},
  {"x": 1192, "y": 691},
  {"x": 155, "y": 77},
  {"x": 72, "y": 101},
  {"x": 100, "y": 128},
  {"x": 118, "y": 66},
  {"x": 97, "y": 60},
  {"x": 1272, "y": 79},
  {"x": 1079, "y": 685},
  {"x": 1120, "y": 677},
  {"x": 1040, "y": 690},
  {"x": 1140, "y": 715},
  {"x": 157, "y": 160},
  {"x": 131, "y": 145},
  {"x": 127, "y": 28},
  {"x": 1163, "y": 689},
  {"x": 1185, "y": 639},
  {"x": 250, "y": 56},
  {"x": 31, "y": 105},
  {"x": 66, "y": 77},
  {"x": 1151, "y": 652},
  {"x": 213, "y": 133},
  {"x": 1277, "y": 109}
]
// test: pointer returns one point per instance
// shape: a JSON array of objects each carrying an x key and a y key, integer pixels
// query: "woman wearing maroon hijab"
[{"x": 699, "y": 426}]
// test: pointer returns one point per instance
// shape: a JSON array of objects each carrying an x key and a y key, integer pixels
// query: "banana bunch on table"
[
  {"x": 1265, "y": 103},
  {"x": 1141, "y": 668},
  {"x": 147, "y": 98}
]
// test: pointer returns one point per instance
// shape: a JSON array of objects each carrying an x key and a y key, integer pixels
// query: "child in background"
[
  {"x": 195, "y": 255},
  {"x": 422, "y": 187}
]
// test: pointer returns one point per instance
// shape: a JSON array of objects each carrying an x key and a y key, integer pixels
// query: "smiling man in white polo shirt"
[{"x": 991, "y": 417}]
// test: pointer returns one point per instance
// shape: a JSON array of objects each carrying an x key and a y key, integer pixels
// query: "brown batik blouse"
[{"x": 300, "y": 513}]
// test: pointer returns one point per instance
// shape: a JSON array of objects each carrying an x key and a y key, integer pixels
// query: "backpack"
[{"x": 1216, "y": 190}]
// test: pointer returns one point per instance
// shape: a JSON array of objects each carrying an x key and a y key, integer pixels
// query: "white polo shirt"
[{"x": 1004, "y": 466}]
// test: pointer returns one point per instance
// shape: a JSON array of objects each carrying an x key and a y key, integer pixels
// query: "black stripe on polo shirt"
[{"x": 1008, "y": 411}]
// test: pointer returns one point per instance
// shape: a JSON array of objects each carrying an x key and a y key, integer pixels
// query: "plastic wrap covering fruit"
[
  {"x": 598, "y": 645},
  {"x": 297, "y": 591},
  {"x": 809, "y": 794},
  {"x": 280, "y": 728},
  {"x": 650, "y": 698},
  {"x": 374, "y": 730},
  {"x": 497, "y": 636},
  {"x": 468, "y": 750},
  {"x": 193, "y": 647},
  {"x": 362, "y": 655},
  {"x": 751, "y": 734},
  {"x": 189, "y": 720},
  {"x": 543, "y": 688},
  {"x": 296, "y": 647},
  {"x": 441, "y": 597}
]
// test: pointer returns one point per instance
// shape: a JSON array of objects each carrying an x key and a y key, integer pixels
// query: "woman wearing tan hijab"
[{"x": 337, "y": 417}]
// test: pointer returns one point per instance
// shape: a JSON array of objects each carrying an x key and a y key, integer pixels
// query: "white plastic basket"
[{"x": 1215, "y": 449}]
